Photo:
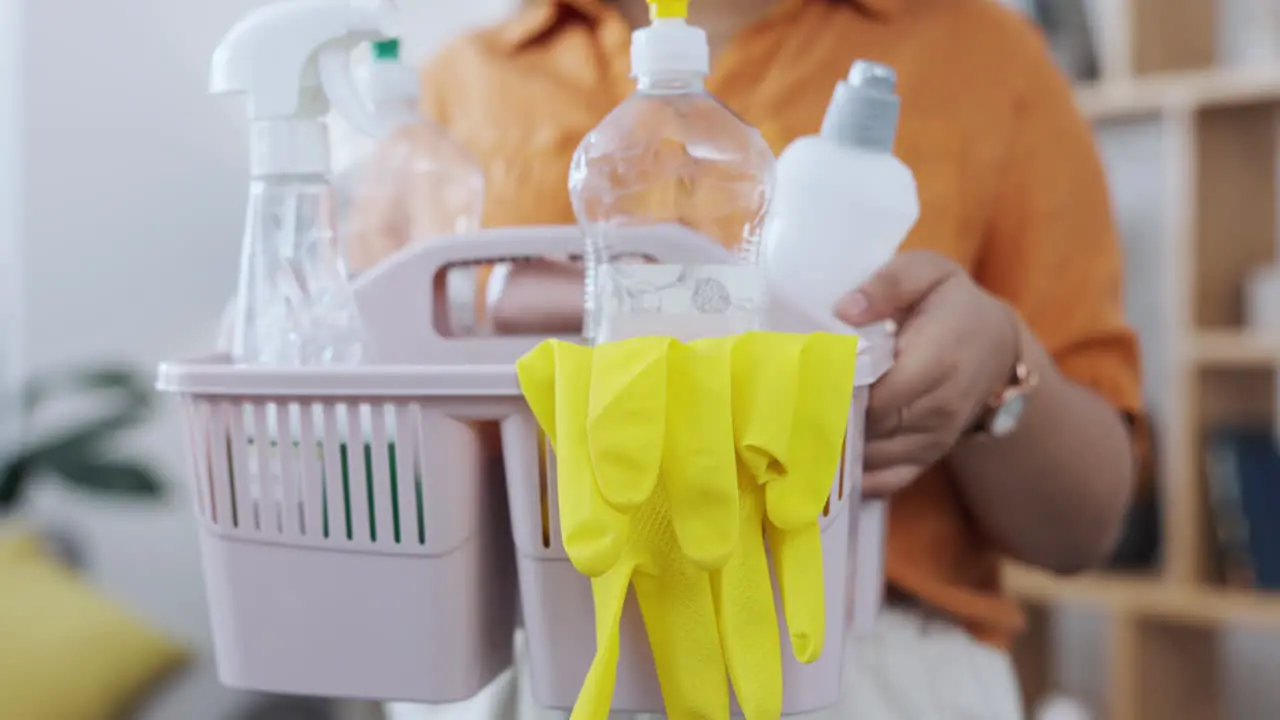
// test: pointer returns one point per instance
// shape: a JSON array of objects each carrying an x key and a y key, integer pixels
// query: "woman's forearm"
[{"x": 1054, "y": 493}]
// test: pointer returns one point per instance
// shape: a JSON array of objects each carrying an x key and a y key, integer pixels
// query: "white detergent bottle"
[
  {"x": 294, "y": 306},
  {"x": 842, "y": 206},
  {"x": 843, "y": 203}
]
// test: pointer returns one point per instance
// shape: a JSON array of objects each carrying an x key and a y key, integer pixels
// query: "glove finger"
[
  {"x": 627, "y": 418},
  {"x": 699, "y": 465},
  {"x": 765, "y": 369},
  {"x": 797, "y": 559},
  {"x": 592, "y": 531},
  {"x": 536, "y": 372},
  {"x": 609, "y": 594},
  {"x": 746, "y": 614},
  {"x": 818, "y": 429},
  {"x": 680, "y": 621}
]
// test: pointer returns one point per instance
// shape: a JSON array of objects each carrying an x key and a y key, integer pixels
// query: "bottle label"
[{"x": 686, "y": 302}]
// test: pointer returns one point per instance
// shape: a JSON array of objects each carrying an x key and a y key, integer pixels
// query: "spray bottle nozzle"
[{"x": 280, "y": 50}]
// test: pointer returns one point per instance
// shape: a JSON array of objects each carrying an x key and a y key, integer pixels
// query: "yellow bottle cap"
[{"x": 668, "y": 9}]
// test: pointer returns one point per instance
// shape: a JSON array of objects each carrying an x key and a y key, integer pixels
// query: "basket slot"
[
  {"x": 337, "y": 509},
  {"x": 223, "y": 478},
  {"x": 197, "y": 429},
  {"x": 266, "y": 470},
  {"x": 311, "y": 482},
  {"x": 293, "y": 523},
  {"x": 851, "y": 462},
  {"x": 243, "y": 506},
  {"x": 545, "y": 468},
  {"x": 408, "y": 473},
  {"x": 356, "y": 475},
  {"x": 381, "y": 445},
  {"x": 844, "y": 458}
]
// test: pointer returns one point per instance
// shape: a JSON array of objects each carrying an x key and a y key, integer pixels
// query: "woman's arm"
[{"x": 1054, "y": 492}]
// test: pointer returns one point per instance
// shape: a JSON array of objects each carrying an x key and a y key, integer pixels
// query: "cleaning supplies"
[
  {"x": 418, "y": 183},
  {"x": 843, "y": 202},
  {"x": 294, "y": 306},
  {"x": 671, "y": 153},
  {"x": 674, "y": 462}
]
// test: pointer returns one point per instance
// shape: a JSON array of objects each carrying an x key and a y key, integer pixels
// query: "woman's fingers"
[
  {"x": 905, "y": 448},
  {"x": 887, "y": 481}
]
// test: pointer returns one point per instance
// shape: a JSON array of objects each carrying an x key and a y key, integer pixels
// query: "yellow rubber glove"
[
  {"x": 796, "y": 462},
  {"x": 593, "y": 532},
  {"x": 632, "y": 380},
  {"x": 651, "y": 495},
  {"x": 795, "y": 503}
]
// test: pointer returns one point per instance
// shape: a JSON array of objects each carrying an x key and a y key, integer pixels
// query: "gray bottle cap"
[{"x": 864, "y": 108}]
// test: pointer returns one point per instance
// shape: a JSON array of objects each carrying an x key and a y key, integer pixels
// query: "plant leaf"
[
  {"x": 112, "y": 476},
  {"x": 13, "y": 480}
]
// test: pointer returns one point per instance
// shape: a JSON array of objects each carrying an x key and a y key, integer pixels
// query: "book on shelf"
[
  {"x": 1243, "y": 482},
  {"x": 1139, "y": 545}
]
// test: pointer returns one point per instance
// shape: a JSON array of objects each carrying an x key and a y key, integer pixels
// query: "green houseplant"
[{"x": 83, "y": 455}]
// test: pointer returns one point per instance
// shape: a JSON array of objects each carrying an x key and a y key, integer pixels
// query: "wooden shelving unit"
[{"x": 1221, "y": 130}]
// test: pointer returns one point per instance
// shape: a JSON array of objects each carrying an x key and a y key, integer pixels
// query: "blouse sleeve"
[{"x": 1051, "y": 248}]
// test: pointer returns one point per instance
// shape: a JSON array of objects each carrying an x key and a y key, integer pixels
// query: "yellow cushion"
[{"x": 66, "y": 651}]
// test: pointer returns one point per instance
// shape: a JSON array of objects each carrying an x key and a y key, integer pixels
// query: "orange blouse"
[{"x": 1010, "y": 187}]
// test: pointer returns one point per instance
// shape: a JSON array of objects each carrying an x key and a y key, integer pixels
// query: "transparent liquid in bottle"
[
  {"x": 294, "y": 306},
  {"x": 670, "y": 154}
]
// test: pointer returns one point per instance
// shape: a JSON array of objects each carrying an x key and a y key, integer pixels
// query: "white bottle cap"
[
  {"x": 864, "y": 109},
  {"x": 670, "y": 46}
]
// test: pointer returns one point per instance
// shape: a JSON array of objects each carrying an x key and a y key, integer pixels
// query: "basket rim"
[{"x": 215, "y": 375}]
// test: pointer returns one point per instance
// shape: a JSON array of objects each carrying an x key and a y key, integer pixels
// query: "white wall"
[
  {"x": 133, "y": 193},
  {"x": 10, "y": 220}
]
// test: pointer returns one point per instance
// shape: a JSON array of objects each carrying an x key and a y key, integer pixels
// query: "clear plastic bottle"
[
  {"x": 671, "y": 153},
  {"x": 418, "y": 183},
  {"x": 294, "y": 305}
]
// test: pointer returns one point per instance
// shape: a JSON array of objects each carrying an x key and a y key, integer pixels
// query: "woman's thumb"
[{"x": 895, "y": 289}]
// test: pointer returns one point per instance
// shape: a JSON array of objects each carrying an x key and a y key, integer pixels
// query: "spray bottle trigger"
[{"x": 333, "y": 64}]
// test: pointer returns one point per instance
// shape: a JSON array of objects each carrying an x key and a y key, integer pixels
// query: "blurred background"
[{"x": 122, "y": 187}]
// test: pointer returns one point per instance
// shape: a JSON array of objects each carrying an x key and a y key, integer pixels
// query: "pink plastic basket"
[{"x": 387, "y": 573}]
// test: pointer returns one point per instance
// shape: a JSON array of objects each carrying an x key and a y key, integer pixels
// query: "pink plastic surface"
[{"x": 364, "y": 612}]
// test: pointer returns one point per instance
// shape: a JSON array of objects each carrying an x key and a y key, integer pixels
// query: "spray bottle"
[
  {"x": 671, "y": 153},
  {"x": 291, "y": 60}
]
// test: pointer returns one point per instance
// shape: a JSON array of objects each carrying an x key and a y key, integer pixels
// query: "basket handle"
[{"x": 397, "y": 300}]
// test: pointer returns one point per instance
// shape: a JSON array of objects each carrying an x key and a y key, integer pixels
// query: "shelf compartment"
[
  {"x": 1235, "y": 228},
  {"x": 1172, "y": 35},
  {"x": 1146, "y": 597},
  {"x": 1155, "y": 94},
  {"x": 1234, "y": 348}
]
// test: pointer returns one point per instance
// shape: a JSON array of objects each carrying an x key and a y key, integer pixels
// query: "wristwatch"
[{"x": 1004, "y": 411}]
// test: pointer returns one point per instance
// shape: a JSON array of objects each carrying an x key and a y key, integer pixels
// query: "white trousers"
[{"x": 915, "y": 666}]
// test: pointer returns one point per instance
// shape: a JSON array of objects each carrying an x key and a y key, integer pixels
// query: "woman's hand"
[{"x": 957, "y": 346}]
